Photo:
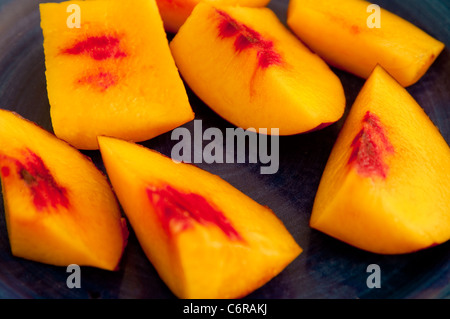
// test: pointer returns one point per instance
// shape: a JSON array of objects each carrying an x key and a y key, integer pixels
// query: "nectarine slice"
[
  {"x": 385, "y": 187},
  {"x": 114, "y": 75},
  {"x": 205, "y": 238},
  {"x": 347, "y": 35},
  {"x": 253, "y": 72},
  {"x": 60, "y": 209},
  {"x": 175, "y": 12}
]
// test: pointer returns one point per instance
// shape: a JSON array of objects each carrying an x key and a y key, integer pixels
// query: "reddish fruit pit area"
[
  {"x": 179, "y": 211},
  {"x": 247, "y": 38},
  {"x": 98, "y": 48},
  {"x": 370, "y": 147},
  {"x": 45, "y": 191}
]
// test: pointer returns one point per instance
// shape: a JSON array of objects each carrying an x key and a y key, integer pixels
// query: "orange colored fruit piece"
[
  {"x": 385, "y": 188},
  {"x": 175, "y": 12},
  {"x": 339, "y": 32},
  {"x": 253, "y": 72},
  {"x": 205, "y": 238},
  {"x": 114, "y": 75},
  {"x": 60, "y": 209}
]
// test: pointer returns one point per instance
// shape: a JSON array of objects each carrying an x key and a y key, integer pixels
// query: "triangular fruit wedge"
[
  {"x": 356, "y": 35},
  {"x": 385, "y": 187},
  {"x": 60, "y": 209},
  {"x": 175, "y": 12},
  {"x": 246, "y": 66},
  {"x": 113, "y": 75},
  {"x": 205, "y": 238}
]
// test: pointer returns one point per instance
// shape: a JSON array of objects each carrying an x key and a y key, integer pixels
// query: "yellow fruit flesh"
[{"x": 135, "y": 94}]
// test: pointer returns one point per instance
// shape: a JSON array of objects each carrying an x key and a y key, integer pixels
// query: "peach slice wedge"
[
  {"x": 60, "y": 209},
  {"x": 114, "y": 75},
  {"x": 205, "y": 238},
  {"x": 253, "y": 72},
  {"x": 355, "y": 36},
  {"x": 385, "y": 188}
]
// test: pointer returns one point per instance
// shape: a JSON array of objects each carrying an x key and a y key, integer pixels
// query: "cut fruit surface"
[
  {"x": 385, "y": 187},
  {"x": 205, "y": 238},
  {"x": 246, "y": 66},
  {"x": 114, "y": 75},
  {"x": 60, "y": 209},
  {"x": 175, "y": 12},
  {"x": 346, "y": 35}
]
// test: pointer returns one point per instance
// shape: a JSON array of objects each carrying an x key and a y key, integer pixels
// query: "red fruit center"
[
  {"x": 370, "y": 147},
  {"x": 102, "y": 80},
  {"x": 98, "y": 47},
  {"x": 178, "y": 211},
  {"x": 44, "y": 189},
  {"x": 247, "y": 38}
]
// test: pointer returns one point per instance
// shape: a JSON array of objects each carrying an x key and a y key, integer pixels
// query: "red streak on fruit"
[
  {"x": 98, "y": 47},
  {"x": 101, "y": 80},
  {"x": 228, "y": 27},
  {"x": 44, "y": 189},
  {"x": 370, "y": 147},
  {"x": 247, "y": 38},
  {"x": 178, "y": 211},
  {"x": 125, "y": 236},
  {"x": 5, "y": 171},
  {"x": 355, "y": 29}
]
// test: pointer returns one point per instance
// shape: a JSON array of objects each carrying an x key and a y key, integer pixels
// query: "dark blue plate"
[{"x": 327, "y": 268}]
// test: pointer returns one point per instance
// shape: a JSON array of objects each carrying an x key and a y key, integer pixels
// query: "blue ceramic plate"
[{"x": 327, "y": 268}]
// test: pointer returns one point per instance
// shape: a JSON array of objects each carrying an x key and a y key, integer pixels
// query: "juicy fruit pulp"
[
  {"x": 384, "y": 188},
  {"x": 111, "y": 77},
  {"x": 246, "y": 66},
  {"x": 59, "y": 209},
  {"x": 205, "y": 238},
  {"x": 349, "y": 42}
]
